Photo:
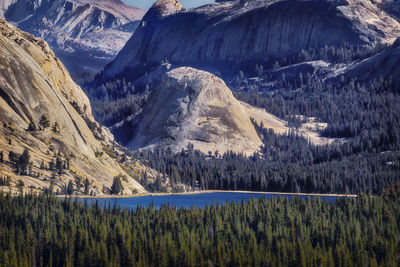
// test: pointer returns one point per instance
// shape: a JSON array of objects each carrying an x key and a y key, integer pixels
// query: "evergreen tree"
[
  {"x": 87, "y": 187},
  {"x": 117, "y": 187},
  {"x": 70, "y": 188},
  {"x": 32, "y": 126},
  {"x": 12, "y": 157},
  {"x": 59, "y": 165},
  {"x": 55, "y": 128},
  {"x": 44, "y": 121},
  {"x": 23, "y": 162}
]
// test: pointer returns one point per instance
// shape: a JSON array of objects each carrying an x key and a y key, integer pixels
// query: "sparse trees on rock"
[
  {"x": 56, "y": 128},
  {"x": 44, "y": 122},
  {"x": 32, "y": 127}
]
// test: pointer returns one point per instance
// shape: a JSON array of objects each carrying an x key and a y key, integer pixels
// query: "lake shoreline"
[{"x": 206, "y": 192}]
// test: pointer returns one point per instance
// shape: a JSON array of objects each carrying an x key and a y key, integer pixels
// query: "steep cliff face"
[
  {"x": 33, "y": 83},
  {"x": 194, "y": 107},
  {"x": 85, "y": 34},
  {"x": 236, "y": 33}
]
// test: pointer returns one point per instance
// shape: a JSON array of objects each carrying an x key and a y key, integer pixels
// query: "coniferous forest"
[
  {"x": 363, "y": 116},
  {"x": 46, "y": 231}
]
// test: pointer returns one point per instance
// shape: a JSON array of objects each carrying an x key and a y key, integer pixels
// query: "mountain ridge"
[
  {"x": 35, "y": 87},
  {"x": 237, "y": 33},
  {"x": 85, "y": 34}
]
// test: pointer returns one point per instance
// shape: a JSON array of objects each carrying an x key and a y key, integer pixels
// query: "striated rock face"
[
  {"x": 236, "y": 33},
  {"x": 33, "y": 82},
  {"x": 194, "y": 107},
  {"x": 85, "y": 34}
]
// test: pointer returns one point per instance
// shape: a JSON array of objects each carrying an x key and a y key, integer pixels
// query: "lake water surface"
[{"x": 192, "y": 200}]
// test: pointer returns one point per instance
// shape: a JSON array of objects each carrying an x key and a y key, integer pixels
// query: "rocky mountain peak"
[
  {"x": 238, "y": 34},
  {"x": 163, "y": 8},
  {"x": 192, "y": 106}
]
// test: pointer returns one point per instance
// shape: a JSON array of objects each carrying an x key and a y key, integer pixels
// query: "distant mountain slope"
[
  {"x": 35, "y": 88},
  {"x": 85, "y": 34},
  {"x": 385, "y": 65},
  {"x": 234, "y": 34}
]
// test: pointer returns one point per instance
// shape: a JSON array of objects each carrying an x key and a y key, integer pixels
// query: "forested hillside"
[
  {"x": 45, "y": 231},
  {"x": 364, "y": 117},
  {"x": 315, "y": 86}
]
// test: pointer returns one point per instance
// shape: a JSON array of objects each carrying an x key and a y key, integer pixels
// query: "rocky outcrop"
[
  {"x": 233, "y": 34},
  {"x": 163, "y": 8},
  {"x": 33, "y": 83},
  {"x": 85, "y": 34},
  {"x": 194, "y": 107}
]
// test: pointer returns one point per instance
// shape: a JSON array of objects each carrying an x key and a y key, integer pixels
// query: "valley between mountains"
[
  {"x": 133, "y": 137},
  {"x": 278, "y": 95}
]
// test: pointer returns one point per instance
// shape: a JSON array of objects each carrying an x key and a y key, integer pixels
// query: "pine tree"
[
  {"x": 44, "y": 122},
  {"x": 23, "y": 162},
  {"x": 32, "y": 127},
  {"x": 117, "y": 187},
  {"x": 87, "y": 187},
  {"x": 56, "y": 128},
  {"x": 12, "y": 157},
  {"x": 59, "y": 166},
  {"x": 70, "y": 188}
]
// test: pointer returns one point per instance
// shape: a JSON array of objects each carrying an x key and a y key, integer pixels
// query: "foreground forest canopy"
[{"x": 46, "y": 231}]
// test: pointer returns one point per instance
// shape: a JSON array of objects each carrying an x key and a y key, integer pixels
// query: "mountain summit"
[
  {"x": 237, "y": 34},
  {"x": 163, "y": 8},
  {"x": 195, "y": 107}
]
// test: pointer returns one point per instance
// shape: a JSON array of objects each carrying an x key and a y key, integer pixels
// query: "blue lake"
[{"x": 192, "y": 200}]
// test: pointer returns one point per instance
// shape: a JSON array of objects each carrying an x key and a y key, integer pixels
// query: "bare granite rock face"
[
  {"x": 163, "y": 8},
  {"x": 33, "y": 83},
  {"x": 195, "y": 107},
  {"x": 85, "y": 34},
  {"x": 242, "y": 33}
]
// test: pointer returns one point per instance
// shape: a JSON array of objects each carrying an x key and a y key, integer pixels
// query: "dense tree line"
[
  {"x": 368, "y": 112},
  {"x": 366, "y": 115},
  {"x": 335, "y": 174},
  {"x": 334, "y": 54},
  {"x": 45, "y": 231},
  {"x": 115, "y": 100}
]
